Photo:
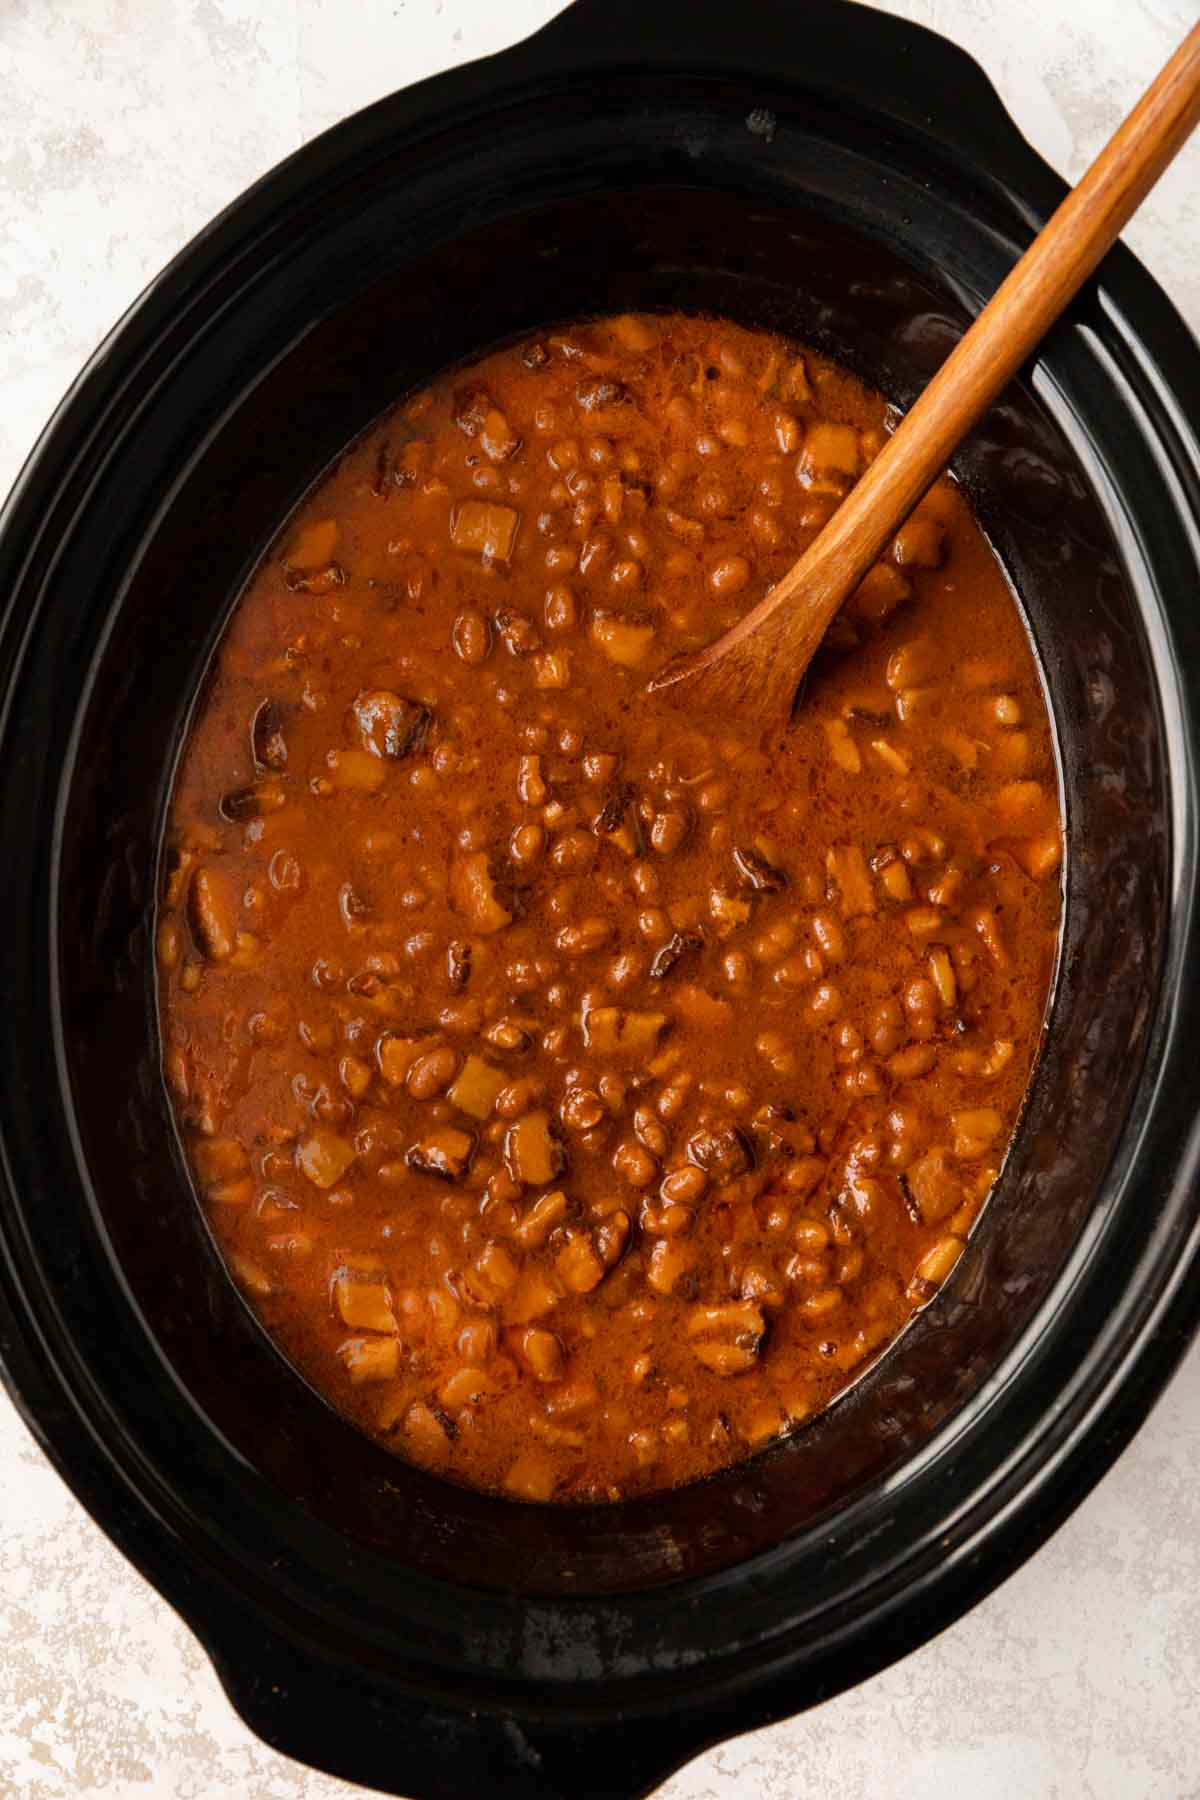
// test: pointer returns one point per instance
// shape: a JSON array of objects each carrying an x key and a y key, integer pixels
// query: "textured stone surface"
[{"x": 126, "y": 125}]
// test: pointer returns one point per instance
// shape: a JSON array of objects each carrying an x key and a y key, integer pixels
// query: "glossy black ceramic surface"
[{"x": 857, "y": 184}]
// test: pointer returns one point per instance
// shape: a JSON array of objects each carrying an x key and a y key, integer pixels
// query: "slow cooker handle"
[
  {"x": 356, "y": 1725},
  {"x": 931, "y": 87}
]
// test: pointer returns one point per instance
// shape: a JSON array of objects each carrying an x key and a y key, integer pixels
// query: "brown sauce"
[{"x": 583, "y": 1092}]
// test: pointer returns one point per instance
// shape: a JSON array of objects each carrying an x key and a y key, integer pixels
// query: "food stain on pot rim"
[{"x": 582, "y": 1093}]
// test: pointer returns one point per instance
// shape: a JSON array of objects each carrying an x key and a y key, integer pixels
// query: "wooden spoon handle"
[
  {"x": 785, "y": 635},
  {"x": 1021, "y": 311}
]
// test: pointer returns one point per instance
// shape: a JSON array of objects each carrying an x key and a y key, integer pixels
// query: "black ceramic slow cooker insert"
[{"x": 850, "y": 179}]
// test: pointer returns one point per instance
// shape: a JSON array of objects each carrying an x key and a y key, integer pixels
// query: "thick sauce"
[{"x": 582, "y": 1091}]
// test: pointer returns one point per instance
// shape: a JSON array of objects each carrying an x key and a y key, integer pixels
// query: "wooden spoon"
[{"x": 758, "y": 665}]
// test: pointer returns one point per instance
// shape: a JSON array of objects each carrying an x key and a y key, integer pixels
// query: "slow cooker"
[{"x": 853, "y": 180}]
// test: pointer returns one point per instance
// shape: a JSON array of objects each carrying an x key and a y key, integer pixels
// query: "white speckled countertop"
[{"x": 126, "y": 125}]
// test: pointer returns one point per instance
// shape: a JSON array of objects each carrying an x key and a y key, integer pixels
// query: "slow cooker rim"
[{"x": 39, "y": 473}]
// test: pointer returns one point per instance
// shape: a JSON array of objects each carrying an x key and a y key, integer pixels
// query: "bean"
[
  {"x": 527, "y": 844},
  {"x": 599, "y": 767},
  {"x": 916, "y": 1060},
  {"x": 574, "y": 851},
  {"x": 432, "y": 1073},
  {"x": 477, "y": 1341},
  {"x": 919, "y": 543},
  {"x": 792, "y": 972},
  {"x": 669, "y": 1263},
  {"x": 822, "y": 1303},
  {"x": 581, "y": 1109},
  {"x": 580, "y": 940},
  {"x": 612, "y": 1092},
  {"x": 683, "y": 1186},
  {"x": 561, "y": 610},
  {"x": 461, "y": 1015},
  {"x": 612, "y": 1235},
  {"x": 531, "y": 788},
  {"x": 664, "y": 1218},
  {"x": 625, "y": 971},
  {"x": 494, "y": 1272},
  {"x": 547, "y": 1212},
  {"x": 650, "y": 1134},
  {"x": 563, "y": 455},
  {"x": 668, "y": 830},
  {"x": 805, "y": 1175},
  {"x": 775, "y": 942},
  {"x": 911, "y": 666},
  {"x": 885, "y": 1028},
  {"x": 826, "y": 1001},
  {"x": 509, "y": 1034},
  {"x": 579, "y": 1267},
  {"x": 921, "y": 1005},
  {"x": 810, "y": 1236},
  {"x": 941, "y": 971},
  {"x": 471, "y": 637},
  {"x": 729, "y": 576},
  {"x": 830, "y": 936},
  {"x": 169, "y": 945},
  {"x": 634, "y": 1164},
  {"x": 654, "y": 925},
  {"x": 763, "y": 529},
  {"x": 543, "y": 1353},
  {"x": 519, "y": 1096}
]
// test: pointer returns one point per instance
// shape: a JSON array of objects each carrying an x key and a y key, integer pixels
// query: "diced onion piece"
[
  {"x": 699, "y": 1008},
  {"x": 1039, "y": 856},
  {"x": 323, "y": 1157},
  {"x": 623, "y": 641},
  {"x": 848, "y": 866},
  {"x": 531, "y": 1477},
  {"x": 485, "y": 528},
  {"x": 842, "y": 746},
  {"x": 975, "y": 1129},
  {"x": 313, "y": 545},
  {"x": 356, "y": 770},
  {"x": 831, "y": 450},
  {"x": 935, "y": 1187},
  {"x": 536, "y": 1293},
  {"x": 474, "y": 894},
  {"x": 881, "y": 590},
  {"x": 396, "y": 1056},
  {"x": 552, "y": 669},
  {"x": 363, "y": 1305},
  {"x": 633, "y": 333},
  {"x": 476, "y": 1086},
  {"x": 532, "y": 1154},
  {"x": 612, "y": 1031},
  {"x": 371, "y": 1359}
]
